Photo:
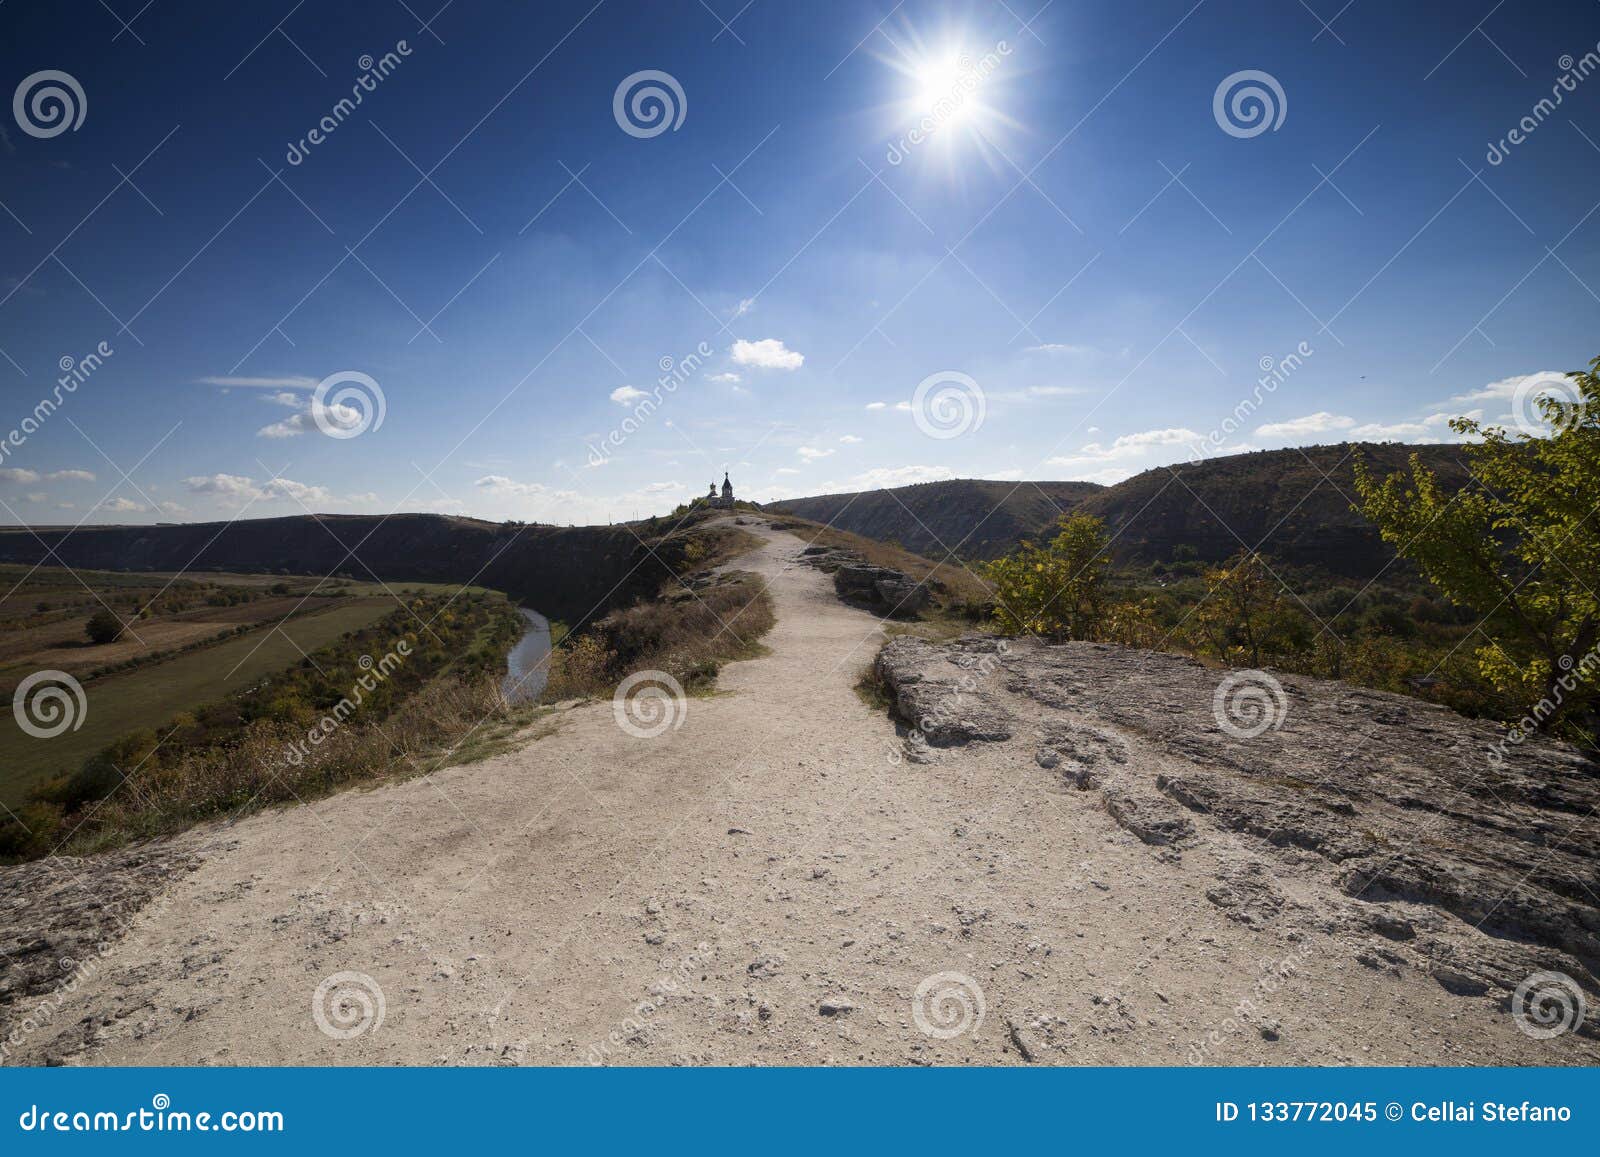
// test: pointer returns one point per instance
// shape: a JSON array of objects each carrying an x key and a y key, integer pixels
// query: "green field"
[{"x": 148, "y": 696}]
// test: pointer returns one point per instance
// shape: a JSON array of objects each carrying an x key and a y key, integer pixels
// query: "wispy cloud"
[{"x": 287, "y": 381}]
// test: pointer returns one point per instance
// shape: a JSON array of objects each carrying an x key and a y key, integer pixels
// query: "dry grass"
[
  {"x": 447, "y": 722},
  {"x": 956, "y": 589},
  {"x": 689, "y": 635}
]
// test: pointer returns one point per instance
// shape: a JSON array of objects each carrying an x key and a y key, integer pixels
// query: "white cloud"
[
  {"x": 746, "y": 304},
  {"x": 36, "y": 496},
  {"x": 877, "y": 405},
  {"x": 812, "y": 453},
  {"x": 284, "y": 488},
  {"x": 786, "y": 470},
  {"x": 767, "y": 354},
  {"x": 285, "y": 398},
  {"x": 18, "y": 475},
  {"x": 121, "y": 505},
  {"x": 499, "y": 484},
  {"x": 1433, "y": 428},
  {"x": 1094, "y": 461},
  {"x": 290, "y": 381},
  {"x": 237, "y": 489},
  {"x": 902, "y": 405},
  {"x": 70, "y": 476},
  {"x": 338, "y": 415},
  {"x": 849, "y": 439},
  {"x": 626, "y": 395},
  {"x": 1322, "y": 422},
  {"x": 886, "y": 477},
  {"x": 725, "y": 377},
  {"x": 1060, "y": 348},
  {"x": 1031, "y": 393},
  {"x": 1503, "y": 390},
  {"x": 663, "y": 488}
]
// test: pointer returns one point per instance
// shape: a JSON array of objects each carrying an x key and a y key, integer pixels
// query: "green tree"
[
  {"x": 103, "y": 627},
  {"x": 1519, "y": 546},
  {"x": 1244, "y": 614},
  {"x": 1058, "y": 590}
]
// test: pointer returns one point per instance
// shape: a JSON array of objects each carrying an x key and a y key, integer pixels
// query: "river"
[{"x": 527, "y": 666}]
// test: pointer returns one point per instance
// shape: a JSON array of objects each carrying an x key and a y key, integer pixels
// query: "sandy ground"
[{"x": 768, "y": 883}]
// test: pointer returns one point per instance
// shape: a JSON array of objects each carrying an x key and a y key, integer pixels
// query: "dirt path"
[{"x": 768, "y": 883}]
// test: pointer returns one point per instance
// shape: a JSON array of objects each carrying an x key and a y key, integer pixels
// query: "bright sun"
[
  {"x": 949, "y": 97},
  {"x": 940, "y": 83}
]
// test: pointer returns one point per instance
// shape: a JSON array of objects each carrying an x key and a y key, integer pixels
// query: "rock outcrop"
[
  {"x": 1411, "y": 831},
  {"x": 879, "y": 589}
]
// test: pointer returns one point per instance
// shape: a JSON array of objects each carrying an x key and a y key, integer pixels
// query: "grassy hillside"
[
  {"x": 569, "y": 573},
  {"x": 969, "y": 517},
  {"x": 1292, "y": 504}
]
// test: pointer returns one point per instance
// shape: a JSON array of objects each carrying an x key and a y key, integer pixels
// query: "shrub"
[
  {"x": 103, "y": 627},
  {"x": 1057, "y": 591}
]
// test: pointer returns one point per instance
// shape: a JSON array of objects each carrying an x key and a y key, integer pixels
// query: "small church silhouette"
[{"x": 726, "y": 500}]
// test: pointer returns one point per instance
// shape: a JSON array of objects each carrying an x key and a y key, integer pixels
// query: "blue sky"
[{"x": 1078, "y": 246}]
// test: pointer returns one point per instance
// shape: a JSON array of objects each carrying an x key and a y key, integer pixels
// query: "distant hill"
[
  {"x": 972, "y": 517},
  {"x": 1292, "y": 504},
  {"x": 566, "y": 572}
]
